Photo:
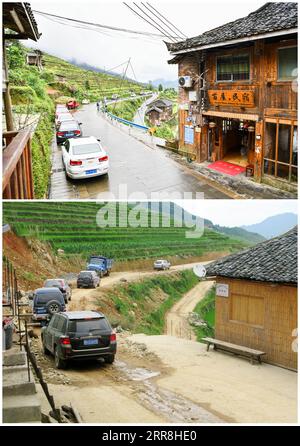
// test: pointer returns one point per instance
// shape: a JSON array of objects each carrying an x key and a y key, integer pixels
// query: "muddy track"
[{"x": 177, "y": 318}]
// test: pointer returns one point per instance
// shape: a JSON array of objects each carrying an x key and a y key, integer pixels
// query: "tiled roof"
[
  {"x": 272, "y": 261},
  {"x": 273, "y": 16},
  {"x": 149, "y": 110}
]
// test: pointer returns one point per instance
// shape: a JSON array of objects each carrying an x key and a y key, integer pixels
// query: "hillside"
[
  {"x": 83, "y": 82},
  {"x": 236, "y": 232},
  {"x": 275, "y": 225},
  {"x": 72, "y": 227}
]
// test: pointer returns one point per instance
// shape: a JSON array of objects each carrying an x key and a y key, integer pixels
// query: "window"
[
  {"x": 287, "y": 63},
  {"x": 88, "y": 326},
  {"x": 281, "y": 151},
  {"x": 247, "y": 309},
  {"x": 233, "y": 68}
]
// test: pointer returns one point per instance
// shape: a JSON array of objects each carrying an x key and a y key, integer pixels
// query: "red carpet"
[{"x": 228, "y": 168}]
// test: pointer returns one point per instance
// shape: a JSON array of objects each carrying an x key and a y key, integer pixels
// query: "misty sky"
[
  {"x": 149, "y": 58},
  {"x": 238, "y": 212}
]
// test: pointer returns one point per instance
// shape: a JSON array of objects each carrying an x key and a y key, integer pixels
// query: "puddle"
[
  {"x": 173, "y": 407},
  {"x": 137, "y": 374}
]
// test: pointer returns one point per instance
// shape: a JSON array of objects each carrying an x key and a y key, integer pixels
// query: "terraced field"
[
  {"x": 86, "y": 83},
  {"x": 72, "y": 226}
]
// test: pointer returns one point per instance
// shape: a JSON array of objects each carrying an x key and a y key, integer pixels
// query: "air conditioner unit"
[{"x": 185, "y": 81}]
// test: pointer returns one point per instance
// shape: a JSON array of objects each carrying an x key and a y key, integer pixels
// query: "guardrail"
[
  {"x": 126, "y": 122},
  {"x": 17, "y": 181}
]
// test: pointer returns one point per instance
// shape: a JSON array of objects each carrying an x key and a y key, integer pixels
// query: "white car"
[
  {"x": 61, "y": 109},
  {"x": 84, "y": 158},
  {"x": 63, "y": 117},
  {"x": 161, "y": 264}
]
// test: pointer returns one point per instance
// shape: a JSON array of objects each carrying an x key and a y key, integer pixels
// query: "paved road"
[
  {"x": 136, "y": 166},
  {"x": 139, "y": 117}
]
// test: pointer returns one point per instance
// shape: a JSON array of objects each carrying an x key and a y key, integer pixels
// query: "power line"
[
  {"x": 159, "y": 18},
  {"x": 98, "y": 25},
  {"x": 183, "y": 35},
  {"x": 159, "y": 26},
  {"x": 145, "y": 20}
]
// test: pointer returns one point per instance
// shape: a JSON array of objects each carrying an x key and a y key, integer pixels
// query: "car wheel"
[
  {"x": 53, "y": 307},
  {"x": 45, "y": 350},
  {"x": 59, "y": 363},
  {"x": 110, "y": 359}
]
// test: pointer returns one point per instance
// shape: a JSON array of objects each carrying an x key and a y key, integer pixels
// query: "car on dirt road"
[
  {"x": 161, "y": 265},
  {"x": 68, "y": 129},
  {"x": 46, "y": 302},
  {"x": 62, "y": 285},
  {"x": 84, "y": 158},
  {"x": 88, "y": 279},
  {"x": 79, "y": 335}
]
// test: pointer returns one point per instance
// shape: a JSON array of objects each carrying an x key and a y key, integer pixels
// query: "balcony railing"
[{"x": 17, "y": 182}]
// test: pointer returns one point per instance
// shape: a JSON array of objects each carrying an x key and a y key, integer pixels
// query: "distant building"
[
  {"x": 237, "y": 92},
  {"x": 159, "y": 110},
  {"x": 35, "y": 59},
  {"x": 256, "y": 298}
]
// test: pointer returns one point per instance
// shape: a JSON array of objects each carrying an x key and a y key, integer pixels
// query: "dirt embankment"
[{"x": 34, "y": 261}]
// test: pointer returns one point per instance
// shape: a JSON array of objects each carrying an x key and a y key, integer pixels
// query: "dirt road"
[
  {"x": 85, "y": 298},
  {"x": 177, "y": 318}
]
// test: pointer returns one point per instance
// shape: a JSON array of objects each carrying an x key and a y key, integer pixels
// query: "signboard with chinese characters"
[
  {"x": 240, "y": 98},
  {"x": 222, "y": 290}
]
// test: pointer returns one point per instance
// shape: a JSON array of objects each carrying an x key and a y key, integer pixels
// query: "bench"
[{"x": 235, "y": 349}]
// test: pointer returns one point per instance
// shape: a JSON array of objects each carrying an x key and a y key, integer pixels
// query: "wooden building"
[
  {"x": 160, "y": 110},
  {"x": 237, "y": 92},
  {"x": 35, "y": 59},
  {"x": 256, "y": 299}
]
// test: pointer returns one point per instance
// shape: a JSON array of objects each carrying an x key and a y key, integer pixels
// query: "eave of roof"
[
  {"x": 273, "y": 261},
  {"x": 26, "y": 20}
]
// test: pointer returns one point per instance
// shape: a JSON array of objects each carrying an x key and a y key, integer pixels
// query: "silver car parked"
[{"x": 161, "y": 264}]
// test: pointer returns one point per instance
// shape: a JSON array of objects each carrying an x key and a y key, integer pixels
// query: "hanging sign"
[
  {"x": 222, "y": 290},
  {"x": 241, "y": 98}
]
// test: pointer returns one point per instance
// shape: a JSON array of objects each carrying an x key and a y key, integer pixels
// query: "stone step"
[
  {"x": 14, "y": 358},
  {"x": 14, "y": 369},
  {"x": 21, "y": 409},
  {"x": 22, "y": 388}
]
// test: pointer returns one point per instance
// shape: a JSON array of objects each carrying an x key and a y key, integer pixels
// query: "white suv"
[{"x": 162, "y": 264}]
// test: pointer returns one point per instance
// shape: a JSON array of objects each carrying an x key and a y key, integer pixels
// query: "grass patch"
[
  {"x": 205, "y": 309},
  {"x": 142, "y": 306},
  {"x": 127, "y": 109}
]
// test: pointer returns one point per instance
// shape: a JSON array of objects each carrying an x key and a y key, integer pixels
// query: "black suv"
[
  {"x": 88, "y": 279},
  {"x": 46, "y": 302},
  {"x": 76, "y": 335}
]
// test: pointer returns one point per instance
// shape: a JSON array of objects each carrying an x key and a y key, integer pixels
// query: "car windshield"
[
  {"x": 52, "y": 282},
  {"x": 84, "y": 275},
  {"x": 84, "y": 149},
  {"x": 87, "y": 326},
  {"x": 96, "y": 261},
  {"x": 69, "y": 125}
]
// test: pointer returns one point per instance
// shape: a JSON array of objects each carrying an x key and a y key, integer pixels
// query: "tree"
[{"x": 160, "y": 87}]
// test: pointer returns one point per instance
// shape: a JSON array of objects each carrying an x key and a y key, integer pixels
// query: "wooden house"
[
  {"x": 237, "y": 92},
  {"x": 256, "y": 299},
  {"x": 35, "y": 59},
  {"x": 159, "y": 110}
]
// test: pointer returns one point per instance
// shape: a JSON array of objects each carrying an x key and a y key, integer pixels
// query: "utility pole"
[{"x": 6, "y": 94}]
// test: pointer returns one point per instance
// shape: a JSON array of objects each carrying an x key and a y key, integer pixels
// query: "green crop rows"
[{"x": 72, "y": 226}]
